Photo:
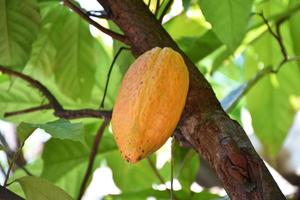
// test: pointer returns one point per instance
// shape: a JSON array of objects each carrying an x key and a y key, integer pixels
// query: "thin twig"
[
  {"x": 59, "y": 111},
  {"x": 172, "y": 166},
  {"x": 10, "y": 155},
  {"x": 8, "y": 173},
  {"x": 86, "y": 17},
  {"x": 286, "y": 14},
  {"x": 16, "y": 154},
  {"x": 160, "y": 178},
  {"x": 109, "y": 72},
  {"x": 157, "y": 8},
  {"x": 164, "y": 12},
  {"x": 28, "y": 110},
  {"x": 72, "y": 114},
  {"x": 92, "y": 157},
  {"x": 2, "y": 170},
  {"x": 83, "y": 113},
  {"x": 149, "y": 4},
  {"x": 245, "y": 87},
  {"x": 156, "y": 172},
  {"x": 276, "y": 34}
]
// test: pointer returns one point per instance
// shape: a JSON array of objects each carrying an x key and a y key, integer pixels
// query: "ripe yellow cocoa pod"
[{"x": 149, "y": 103}]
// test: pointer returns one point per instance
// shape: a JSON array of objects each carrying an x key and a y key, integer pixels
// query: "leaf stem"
[
  {"x": 109, "y": 72},
  {"x": 92, "y": 157}
]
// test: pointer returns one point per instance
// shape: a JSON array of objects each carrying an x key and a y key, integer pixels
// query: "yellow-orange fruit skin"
[{"x": 149, "y": 103}]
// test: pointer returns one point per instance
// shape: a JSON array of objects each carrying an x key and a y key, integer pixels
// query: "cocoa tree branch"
[
  {"x": 59, "y": 111},
  {"x": 92, "y": 157},
  {"x": 86, "y": 17}
]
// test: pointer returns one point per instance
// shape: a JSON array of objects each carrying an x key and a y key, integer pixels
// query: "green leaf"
[
  {"x": 3, "y": 78},
  {"x": 269, "y": 101},
  {"x": 44, "y": 49},
  {"x": 222, "y": 55},
  {"x": 24, "y": 130},
  {"x": 39, "y": 189},
  {"x": 75, "y": 63},
  {"x": 160, "y": 195},
  {"x": 130, "y": 177},
  {"x": 61, "y": 129},
  {"x": 229, "y": 19},
  {"x": 137, "y": 195},
  {"x": 205, "y": 195},
  {"x": 186, "y": 166},
  {"x": 144, "y": 194},
  {"x": 17, "y": 96},
  {"x": 62, "y": 156},
  {"x": 199, "y": 47},
  {"x": 193, "y": 27},
  {"x": 70, "y": 181},
  {"x": 295, "y": 29},
  {"x": 65, "y": 160},
  {"x": 34, "y": 167},
  {"x": 186, "y": 4},
  {"x": 19, "y": 25},
  {"x": 189, "y": 170}
]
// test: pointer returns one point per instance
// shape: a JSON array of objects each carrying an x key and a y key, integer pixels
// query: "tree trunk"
[{"x": 204, "y": 124}]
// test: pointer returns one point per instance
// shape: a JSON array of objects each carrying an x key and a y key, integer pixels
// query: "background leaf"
[
  {"x": 138, "y": 176},
  {"x": 269, "y": 101},
  {"x": 192, "y": 27},
  {"x": 17, "y": 95},
  {"x": 44, "y": 49},
  {"x": 19, "y": 25},
  {"x": 295, "y": 28},
  {"x": 75, "y": 58},
  {"x": 61, "y": 129},
  {"x": 199, "y": 47},
  {"x": 39, "y": 189},
  {"x": 229, "y": 19}
]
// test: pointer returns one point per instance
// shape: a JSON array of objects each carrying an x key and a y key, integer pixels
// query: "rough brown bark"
[{"x": 204, "y": 124}]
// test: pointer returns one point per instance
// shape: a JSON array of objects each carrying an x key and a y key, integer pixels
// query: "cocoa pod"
[{"x": 149, "y": 103}]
